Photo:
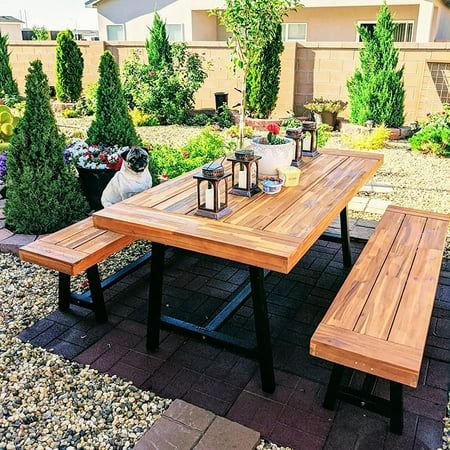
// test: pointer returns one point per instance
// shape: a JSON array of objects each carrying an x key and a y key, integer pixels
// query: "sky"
[{"x": 53, "y": 14}]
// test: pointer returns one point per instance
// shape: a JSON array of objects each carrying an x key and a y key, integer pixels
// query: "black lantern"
[
  {"x": 311, "y": 128},
  {"x": 297, "y": 135},
  {"x": 245, "y": 173},
  {"x": 212, "y": 191}
]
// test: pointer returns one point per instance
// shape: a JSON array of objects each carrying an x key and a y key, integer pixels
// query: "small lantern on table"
[
  {"x": 311, "y": 128},
  {"x": 297, "y": 135},
  {"x": 245, "y": 173},
  {"x": 212, "y": 191}
]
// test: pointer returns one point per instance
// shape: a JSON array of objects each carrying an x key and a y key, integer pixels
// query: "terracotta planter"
[
  {"x": 93, "y": 183},
  {"x": 273, "y": 156},
  {"x": 326, "y": 117}
]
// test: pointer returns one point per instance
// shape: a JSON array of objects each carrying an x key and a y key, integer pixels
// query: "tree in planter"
[
  {"x": 43, "y": 193},
  {"x": 8, "y": 86},
  {"x": 376, "y": 89},
  {"x": 252, "y": 24},
  {"x": 263, "y": 81},
  {"x": 69, "y": 68},
  {"x": 112, "y": 124},
  {"x": 158, "y": 46}
]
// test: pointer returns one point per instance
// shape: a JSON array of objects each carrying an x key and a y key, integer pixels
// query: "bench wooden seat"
[
  {"x": 379, "y": 321},
  {"x": 76, "y": 249}
]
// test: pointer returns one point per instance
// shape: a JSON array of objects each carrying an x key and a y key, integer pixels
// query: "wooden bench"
[
  {"x": 76, "y": 249},
  {"x": 378, "y": 323}
]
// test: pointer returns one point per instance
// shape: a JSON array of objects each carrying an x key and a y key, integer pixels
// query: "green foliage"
[
  {"x": 222, "y": 118},
  {"x": 368, "y": 140},
  {"x": 376, "y": 89},
  {"x": 320, "y": 105},
  {"x": 40, "y": 34},
  {"x": 158, "y": 47},
  {"x": 43, "y": 192},
  {"x": 291, "y": 122},
  {"x": 233, "y": 131},
  {"x": 263, "y": 79},
  {"x": 70, "y": 113},
  {"x": 7, "y": 123},
  {"x": 142, "y": 119},
  {"x": 323, "y": 134},
  {"x": 8, "y": 86},
  {"x": 112, "y": 124},
  {"x": 69, "y": 68},
  {"x": 207, "y": 146}
]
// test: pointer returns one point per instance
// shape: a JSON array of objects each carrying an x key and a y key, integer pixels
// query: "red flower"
[
  {"x": 273, "y": 128},
  {"x": 115, "y": 165}
]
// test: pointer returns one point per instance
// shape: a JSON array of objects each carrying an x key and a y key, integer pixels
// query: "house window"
[
  {"x": 403, "y": 30},
  {"x": 175, "y": 32},
  {"x": 115, "y": 32},
  {"x": 294, "y": 32}
]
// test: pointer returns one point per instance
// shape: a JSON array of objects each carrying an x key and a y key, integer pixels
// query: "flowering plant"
[
  {"x": 93, "y": 156},
  {"x": 272, "y": 135},
  {"x": 2, "y": 166}
]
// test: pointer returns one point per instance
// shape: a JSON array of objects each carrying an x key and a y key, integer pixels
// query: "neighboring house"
[
  {"x": 316, "y": 21},
  {"x": 12, "y": 27},
  {"x": 80, "y": 35}
]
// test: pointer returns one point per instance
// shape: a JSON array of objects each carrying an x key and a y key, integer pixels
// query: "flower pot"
[
  {"x": 93, "y": 183},
  {"x": 273, "y": 156},
  {"x": 329, "y": 118}
]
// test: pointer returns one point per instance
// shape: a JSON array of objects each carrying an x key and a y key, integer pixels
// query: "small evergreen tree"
[
  {"x": 112, "y": 124},
  {"x": 158, "y": 46},
  {"x": 43, "y": 192},
  {"x": 8, "y": 86},
  {"x": 263, "y": 79},
  {"x": 376, "y": 89},
  {"x": 69, "y": 68}
]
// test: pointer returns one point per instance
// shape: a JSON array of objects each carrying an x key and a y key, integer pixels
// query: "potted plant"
[
  {"x": 325, "y": 110},
  {"x": 275, "y": 151}
]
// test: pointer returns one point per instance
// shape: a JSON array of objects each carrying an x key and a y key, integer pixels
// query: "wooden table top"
[{"x": 268, "y": 231}]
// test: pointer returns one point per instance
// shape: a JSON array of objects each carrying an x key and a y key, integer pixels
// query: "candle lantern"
[
  {"x": 311, "y": 128},
  {"x": 297, "y": 135},
  {"x": 212, "y": 191},
  {"x": 245, "y": 173}
]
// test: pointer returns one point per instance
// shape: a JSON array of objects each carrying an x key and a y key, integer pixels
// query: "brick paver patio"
[{"x": 227, "y": 384}]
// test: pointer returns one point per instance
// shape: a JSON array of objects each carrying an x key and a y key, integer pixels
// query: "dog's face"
[{"x": 136, "y": 159}]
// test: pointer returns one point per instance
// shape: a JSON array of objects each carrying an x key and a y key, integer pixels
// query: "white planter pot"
[{"x": 273, "y": 156}]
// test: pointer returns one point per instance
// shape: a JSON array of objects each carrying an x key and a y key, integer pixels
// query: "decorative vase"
[
  {"x": 93, "y": 183},
  {"x": 273, "y": 156}
]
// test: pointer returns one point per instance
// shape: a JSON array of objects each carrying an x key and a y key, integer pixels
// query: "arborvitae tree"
[
  {"x": 69, "y": 68},
  {"x": 112, "y": 124},
  {"x": 43, "y": 192},
  {"x": 8, "y": 85},
  {"x": 263, "y": 79},
  {"x": 158, "y": 46},
  {"x": 376, "y": 89}
]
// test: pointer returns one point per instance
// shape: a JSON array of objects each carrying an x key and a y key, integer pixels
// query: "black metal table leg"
[
  {"x": 333, "y": 387},
  {"x": 345, "y": 236},
  {"x": 95, "y": 286},
  {"x": 262, "y": 328},
  {"x": 155, "y": 296},
  {"x": 64, "y": 291},
  {"x": 396, "y": 403}
]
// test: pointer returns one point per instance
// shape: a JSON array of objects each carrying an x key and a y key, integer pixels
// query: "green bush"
[
  {"x": 8, "y": 86},
  {"x": 324, "y": 133},
  {"x": 368, "y": 140},
  {"x": 223, "y": 118},
  {"x": 158, "y": 46},
  {"x": 69, "y": 68},
  {"x": 40, "y": 34},
  {"x": 376, "y": 89},
  {"x": 70, "y": 113},
  {"x": 141, "y": 119},
  {"x": 291, "y": 121},
  {"x": 263, "y": 79},
  {"x": 112, "y": 124},
  {"x": 43, "y": 192}
]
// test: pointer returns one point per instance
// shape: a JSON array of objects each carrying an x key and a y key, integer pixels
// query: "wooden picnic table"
[{"x": 266, "y": 232}]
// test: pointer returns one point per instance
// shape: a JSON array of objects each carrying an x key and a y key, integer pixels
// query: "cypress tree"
[
  {"x": 8, "y": 86},
  {"x": 263, "y": 79},
  {"x": 158, "y": 46},
  {"x": 112, "y": 123},
  {"x": 69, "y": 68},
  {"x": 376, "y": 89},
  {"x": 43, "y": 192}
]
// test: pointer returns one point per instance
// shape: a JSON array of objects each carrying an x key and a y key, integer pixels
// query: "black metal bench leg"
[
  {"x": 155, "y": 296},
  {"x": 64, "y": 291},
  {"x": 345, "y": 236},
  {"x": 396, "y": 399},
  {"x": 333, "y": 387},
  {"x": 262, "y": 328},
  {"x": 95, "y": 286}
]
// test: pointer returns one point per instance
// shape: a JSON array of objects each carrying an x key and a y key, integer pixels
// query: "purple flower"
[{"x": 3, "y": 166}]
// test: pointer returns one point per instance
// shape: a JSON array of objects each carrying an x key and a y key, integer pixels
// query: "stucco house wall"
[{"x": 13, "y": 30}]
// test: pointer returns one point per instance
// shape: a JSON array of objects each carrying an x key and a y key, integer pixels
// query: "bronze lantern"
[
  {"x": 245, "y": 173},
  {"x": 311, "y": 128},
  {"x": 297, "y": 135}
]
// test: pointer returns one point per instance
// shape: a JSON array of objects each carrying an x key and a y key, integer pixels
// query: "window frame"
[
  {"x": 116, "y": 25},
  {"x": 286, "y": 25},
  {"x": 182, "y": 31},
  {"x": 407, "y": 21}
]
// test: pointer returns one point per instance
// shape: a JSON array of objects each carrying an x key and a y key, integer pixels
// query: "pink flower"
[
  {"x": 273, "y": 128},
  {"x": 185, "y": 154}
]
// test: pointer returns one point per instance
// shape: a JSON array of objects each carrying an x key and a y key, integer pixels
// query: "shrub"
[
  {"x": 376, "y": 89},
  {"x": 291, "y": 121},
  {"x": 233, "y": 131},
  {"x": 223, "y": 117},
  {"x": 70, "y": 113},
  {"x": 43, "y": 193},
  {"x": 8, "y": 86},
  {"x": 40, "y": 34},
  {"x": 319, "y": 105},
  {"x": 158, "y": 46},
  {"x": 368, "y": 140},
  {"x": 263, "y": 79},
  {"x": 198, "y": 120},
  {"x": 323, "y": 134},
  {"x": 112, "y": 124},
  {"x": 141, "y": 119},
  {"x": 69, "y": 68}
]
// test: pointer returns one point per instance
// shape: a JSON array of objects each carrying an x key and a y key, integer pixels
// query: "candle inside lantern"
[
  {"x": 242, "y": 178},
  {"x": 209, "y": 197}
]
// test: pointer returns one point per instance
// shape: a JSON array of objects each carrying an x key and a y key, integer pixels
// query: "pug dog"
[{"x": 132, "y": 178}]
